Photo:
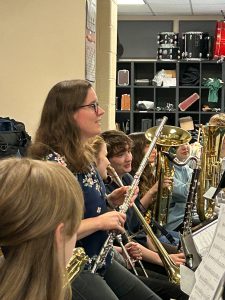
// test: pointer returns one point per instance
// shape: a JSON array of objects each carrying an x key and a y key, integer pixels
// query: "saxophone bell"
[
  {"x": 212, "y": 141},
  {"x": 76, "y": 263}
]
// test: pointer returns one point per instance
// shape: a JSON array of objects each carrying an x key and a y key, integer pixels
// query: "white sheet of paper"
[
  {"x": 210, "y": 273},
  {"x": 203, "y": 238},
  {"x": 209, "y": 194},
  {"x": 187, "y": 279}
]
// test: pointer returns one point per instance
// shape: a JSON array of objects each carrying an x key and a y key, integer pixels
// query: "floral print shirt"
[{"x": 95, "y": 205}]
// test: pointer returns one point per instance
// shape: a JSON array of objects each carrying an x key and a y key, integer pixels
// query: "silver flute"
[
  {"x": 108, "y": 244},
  {"x": 118, "y": 181}
]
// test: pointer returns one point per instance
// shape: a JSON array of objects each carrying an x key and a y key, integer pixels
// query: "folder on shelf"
[{"x": 125, "y": 102}]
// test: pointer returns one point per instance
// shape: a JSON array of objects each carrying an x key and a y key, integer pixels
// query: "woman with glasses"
[{"x": 70, "y": 116}]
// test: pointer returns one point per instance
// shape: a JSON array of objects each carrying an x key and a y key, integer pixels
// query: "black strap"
[
  {"x": 164, "y": 232},
  {"x": 158, "y": 226}
]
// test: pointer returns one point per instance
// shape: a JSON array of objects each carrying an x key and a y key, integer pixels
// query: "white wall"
[
  {"x": 42, "y": 42},
  {"x": 106, "y": 59}
]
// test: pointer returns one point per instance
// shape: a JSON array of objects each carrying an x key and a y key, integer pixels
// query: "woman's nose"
[{"x": 100, "y": 110}]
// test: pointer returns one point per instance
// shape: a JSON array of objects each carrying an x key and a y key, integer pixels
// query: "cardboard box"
[
  {"x": 170, "y": 73},
  {"x": 186, "y": 123}
]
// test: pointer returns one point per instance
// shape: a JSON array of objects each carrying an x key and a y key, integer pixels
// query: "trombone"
[{"x": 171, "y": 268}]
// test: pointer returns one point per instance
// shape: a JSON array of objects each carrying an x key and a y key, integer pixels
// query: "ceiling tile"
[
  {"x": 178, "y": 9},
  {"x": 174, "y": 7},
  {"x": 162, "y": 3},
  {"x": 134, "y": 10},
  {"x": 211, "y": 9},
  {"x": 208, "y": 2}
]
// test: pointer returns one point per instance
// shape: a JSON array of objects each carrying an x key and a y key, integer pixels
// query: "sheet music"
[
  {"x": 203, "y": 238},
  {"x": 211, "y": 271},
  {"x": 187, "y": 279}
]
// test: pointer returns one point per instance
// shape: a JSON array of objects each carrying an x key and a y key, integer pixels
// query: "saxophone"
[
  {"x": 212, "y": 138},
  {"x": 108, "y": 244},
  {"x": 76, "y": 263}
]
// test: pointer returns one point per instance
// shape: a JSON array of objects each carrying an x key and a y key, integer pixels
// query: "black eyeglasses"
[{"x": 94, "y": 106}]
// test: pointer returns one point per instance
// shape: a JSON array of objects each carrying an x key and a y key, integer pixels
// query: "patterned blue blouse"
[{"x": 95, "y": 205}]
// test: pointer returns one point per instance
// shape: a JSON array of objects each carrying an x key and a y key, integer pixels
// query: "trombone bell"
[{"x": 170, "y": 136}]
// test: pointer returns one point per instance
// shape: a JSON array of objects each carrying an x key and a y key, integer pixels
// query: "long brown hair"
[
  {"x": 35, "y": 197},
  {"x": 147, "y": 178},
  {"x": 57, "y": 130}
]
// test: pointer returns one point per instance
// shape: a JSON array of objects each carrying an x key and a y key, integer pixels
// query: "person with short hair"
[
  {"x": 41, "y": 206},
  {"x": 119, "y": 147},
  {"x": 148, "y": 186}
]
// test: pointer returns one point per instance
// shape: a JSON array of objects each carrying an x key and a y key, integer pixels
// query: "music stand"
[{"x": 220, "y": 186}]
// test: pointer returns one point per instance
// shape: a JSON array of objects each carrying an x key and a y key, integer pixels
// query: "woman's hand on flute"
[
  {"x": 116, "y": 198},
  {"x": 112, "y": 220}
]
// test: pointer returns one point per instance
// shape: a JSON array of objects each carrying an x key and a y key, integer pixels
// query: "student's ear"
[{"x": 60, "y": 236}]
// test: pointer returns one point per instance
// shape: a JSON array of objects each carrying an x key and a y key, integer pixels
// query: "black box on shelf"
[
  {"x": 146, "y": 124},
  {"x": 123, "y": 77}
]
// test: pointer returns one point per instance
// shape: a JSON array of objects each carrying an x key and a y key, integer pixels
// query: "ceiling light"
[{"x": 129, "y": 2}]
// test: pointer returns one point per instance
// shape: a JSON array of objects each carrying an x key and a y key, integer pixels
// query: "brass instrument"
[
  {"x": 108, "y": 244},
  {"x": 171, "y": 136},
  {"x": 212, "y": 139},
  {"x": 76, "y": 263},
  {"x": 171, "y": 268}
]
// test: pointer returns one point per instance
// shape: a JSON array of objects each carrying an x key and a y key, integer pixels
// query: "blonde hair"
[
  {"x": 96, "y": 144},
  {"x": 35, "y": 197},
  {"x": 218, "y": 119}
]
